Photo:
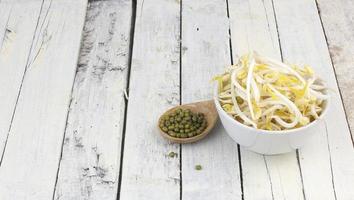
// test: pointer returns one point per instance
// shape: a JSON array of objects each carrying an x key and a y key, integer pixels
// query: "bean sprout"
[{"x": 268, "y": 94}]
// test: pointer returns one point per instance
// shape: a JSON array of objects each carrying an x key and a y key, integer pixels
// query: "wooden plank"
[
  {"x": 148, "y": 173},
  {"x": 17, "y": 27},
  {"x": 339, "y": 30},
  {"x": 253, "y": 27},
  {"x": 205, "y": 53},
  {"x": 327, "y": 163},
  {"x": 89, "y": 168},
  {"x": 31, "y": 158}
]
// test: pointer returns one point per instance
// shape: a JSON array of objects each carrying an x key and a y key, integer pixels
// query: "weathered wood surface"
[
  {"x": 338, "y": 23},
  {"x": 178, "y": 47},
  {"x": 89, "y": 168},
  {"x": 327, "y": 163},
  {"x": 148, "y": 172},
  {"x": 17, "y": 27},
  {"x": 205, "y": 52},
  {"x": 253, "y": 27},
  {"x": 31, "y": 157}
]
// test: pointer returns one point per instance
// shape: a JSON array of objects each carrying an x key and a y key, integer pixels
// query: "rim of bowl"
[{"x": 284, "y": 132}]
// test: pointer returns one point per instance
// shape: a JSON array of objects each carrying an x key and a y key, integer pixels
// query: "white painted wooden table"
[{"x": 82, "y": 84}]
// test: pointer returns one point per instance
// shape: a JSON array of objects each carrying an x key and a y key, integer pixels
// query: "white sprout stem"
[
  {"x": 271, "y": 102},
  {"x": 260, "y": 80},
  {"x": 275, "y": 126},
  {"x": 271, "y": 110},
  {"x": 280, "y": 64},
  {"x": 287, "y": 88},
  {"x": 255, "y": 90},
  {"x": 261, "y": 73},
  {"x": 285, "y": 124},
  {"x": 240, "y": 90},
  {"x": 237, "y": 109},
  {"x": 248, "y": 87},
  {"x": 318, "y": 95},
  {"x": 224, "y": 95},
  {"x": 313, "y": 111},
  {"x": 228, "y": 101},
  {"x": 292, "y": 107},
  {"x": 317, "y": 87}
]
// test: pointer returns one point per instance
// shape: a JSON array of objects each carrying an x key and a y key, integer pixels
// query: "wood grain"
[
  {"x": 205, "y": 53},
  {"x": 327, "y": 163},
  {"x": 178, "y": 47},
  {"x": 89, "y": 168},
  {"x": 253, "y": 27},
  {"x": 339, "y": 29},
  {"x": 17, "y": 27},
  {"x": 148, "y": 172},
  {"x": 31, "y": 158}
]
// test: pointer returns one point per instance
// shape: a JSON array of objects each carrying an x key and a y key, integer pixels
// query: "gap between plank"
[
  {"x": 302, "y": 179},
  {"x": 180, "y": 95},
  {"x": 334, "y": 69},
  {"x": 40, "y": 30},
  {"x": 62, "y": 143},
  {"x": 23, "y": 78},
  {"x": 131, "y": 45},
  {"x": 330, "y": 161},
  {"x": 276, "y": 26},
  {"x": 270, "y": 180},
  {"x": 341, "y": 98},
  {"x": 232, "y": 62},
  {"x": 268, "y": 25},
  {"x": 68, "y": 109}
]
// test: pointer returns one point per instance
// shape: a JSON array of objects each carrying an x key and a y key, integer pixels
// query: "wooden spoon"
[{"x": 205, "y": 107}]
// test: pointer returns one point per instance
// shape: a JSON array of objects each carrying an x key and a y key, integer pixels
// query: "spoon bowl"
[{"x": 205, "y": 107}]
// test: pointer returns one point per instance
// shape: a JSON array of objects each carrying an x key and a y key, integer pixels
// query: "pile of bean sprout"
[{"x": 268, "y": 94}]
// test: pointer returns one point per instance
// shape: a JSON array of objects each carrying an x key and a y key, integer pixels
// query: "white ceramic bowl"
[{"x": 263, "y": 141}]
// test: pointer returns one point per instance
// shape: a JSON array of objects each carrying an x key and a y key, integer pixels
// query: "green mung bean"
[{"x": 183, "y": 123}]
